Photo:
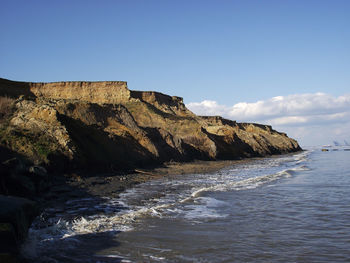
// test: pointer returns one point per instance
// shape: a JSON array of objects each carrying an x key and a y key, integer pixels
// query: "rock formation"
[
  {"x": 104, "y": 125},
  {"x": 16, "y": 216}
]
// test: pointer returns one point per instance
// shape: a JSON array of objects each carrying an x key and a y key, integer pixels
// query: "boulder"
[
  {"x": 38, "y": 171},
  {"x": 16, "y": 216},
  {"x": 15, "y": 179}
]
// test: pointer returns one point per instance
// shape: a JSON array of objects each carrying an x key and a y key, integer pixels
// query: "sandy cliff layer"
[{"x": 107, "y": 126}]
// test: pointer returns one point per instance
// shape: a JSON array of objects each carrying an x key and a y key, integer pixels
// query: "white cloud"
[{"x": 301, "y": 114}]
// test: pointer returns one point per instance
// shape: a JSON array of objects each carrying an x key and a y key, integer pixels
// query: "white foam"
[
  {"x": 212, "y": 202},
  {"x": 302, "y": 157},
  {"x": 101, "y": 223},
  {"x": 154, "y": 258},
  {"x": 245, "y": 184},
  {"x": 201, "y": 212},
  {"x": 117, "y": 257}
]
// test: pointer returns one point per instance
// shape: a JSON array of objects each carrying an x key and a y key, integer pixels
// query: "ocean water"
[{"x": 290, "y": 208}]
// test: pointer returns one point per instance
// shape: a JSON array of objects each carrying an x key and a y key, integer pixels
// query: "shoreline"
[{"x": 81, "y": 185}]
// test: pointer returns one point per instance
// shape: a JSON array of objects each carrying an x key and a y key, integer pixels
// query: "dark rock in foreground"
[{"x": 16, "y": 216}]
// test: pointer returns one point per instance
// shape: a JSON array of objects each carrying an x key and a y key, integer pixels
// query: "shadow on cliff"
[
  {"x": 14, "y": 177},
  {"x": 14, "y": 89},
  {"x": 237, "y": 149},
  {"x": 167, "y": 153},
  {"x": 99, "y": 151}
]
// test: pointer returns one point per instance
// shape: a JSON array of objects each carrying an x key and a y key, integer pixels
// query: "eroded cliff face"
[
  {"x": 107, "y": 126},
  {"x": 94, "y": 92}
]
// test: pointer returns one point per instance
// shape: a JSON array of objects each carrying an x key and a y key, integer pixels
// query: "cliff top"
[{"x": 91, "y": 91}]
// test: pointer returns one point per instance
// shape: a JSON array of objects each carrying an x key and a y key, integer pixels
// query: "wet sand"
[{"x": 79, "y": 185}]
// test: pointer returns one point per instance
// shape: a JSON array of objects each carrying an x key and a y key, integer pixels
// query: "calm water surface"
[{"x": 292, "y": 208}]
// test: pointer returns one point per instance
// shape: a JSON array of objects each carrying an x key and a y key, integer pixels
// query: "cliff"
[{"x": 105, "y": 126}]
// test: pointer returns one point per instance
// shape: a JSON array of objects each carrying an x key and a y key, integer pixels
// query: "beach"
[{"x": 280, "y": 208}]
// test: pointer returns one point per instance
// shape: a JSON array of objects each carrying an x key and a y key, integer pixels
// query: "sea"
[{"x": 288, "y": 208}]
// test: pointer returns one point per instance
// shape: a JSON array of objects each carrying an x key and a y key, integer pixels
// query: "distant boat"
[{"x": 324, "y": 150}]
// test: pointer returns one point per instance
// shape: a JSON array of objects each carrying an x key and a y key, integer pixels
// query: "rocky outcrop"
[
  {"x": 20, "y": 178},
  {"x": 104, "y": 125},
  {"x": 16, "y": 216}
]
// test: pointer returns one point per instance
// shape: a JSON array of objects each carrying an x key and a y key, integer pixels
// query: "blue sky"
[{"x": 227, "y": 52}]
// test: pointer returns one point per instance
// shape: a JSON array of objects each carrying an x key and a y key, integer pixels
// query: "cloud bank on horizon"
[{"x": 312, "y": 118}]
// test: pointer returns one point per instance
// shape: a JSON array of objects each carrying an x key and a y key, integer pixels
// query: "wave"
[
  {"x": 302, "y": 157},
  {"x": 119, "y": 222},
  {"x": 245, "y": 184},
  {"x": 41, "y": 239}
]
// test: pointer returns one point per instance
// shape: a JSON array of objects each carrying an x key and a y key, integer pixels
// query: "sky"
[{"x": 284, "y": 63}]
